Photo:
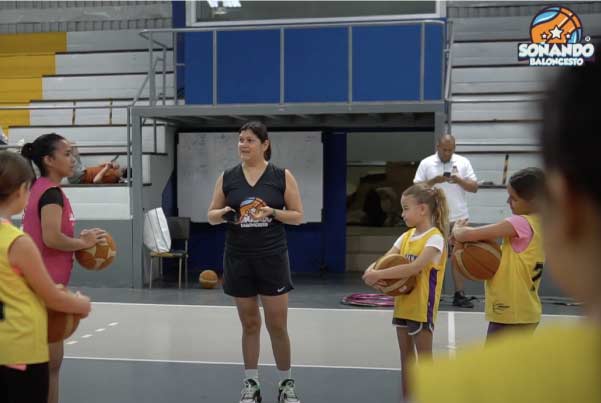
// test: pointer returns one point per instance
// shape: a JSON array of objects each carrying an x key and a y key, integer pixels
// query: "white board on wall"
[{"x": 202, "y": 157}]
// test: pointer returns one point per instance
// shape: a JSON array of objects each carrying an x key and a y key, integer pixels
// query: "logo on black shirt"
[{"x": 249, "y": 209}]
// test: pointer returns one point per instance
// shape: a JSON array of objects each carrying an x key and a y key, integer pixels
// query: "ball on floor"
[{"x": 208, "y": 279}]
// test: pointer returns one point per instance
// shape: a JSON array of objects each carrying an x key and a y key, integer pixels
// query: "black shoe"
[
  {"x": 461, "y": 300},
  {"x": 251, "y": 392}
]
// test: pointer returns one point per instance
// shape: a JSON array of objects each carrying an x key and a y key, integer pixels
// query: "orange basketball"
[
  {"x": 395, "y": 287},
  {"x": 61, "y": 325},
  {"x": 99, "y": 256},
  {"x": 477, "y": 260},
  {"x": 208, "y": 279}
]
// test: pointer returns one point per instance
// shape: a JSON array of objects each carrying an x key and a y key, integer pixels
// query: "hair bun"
[{"x": 27, "y": 150}]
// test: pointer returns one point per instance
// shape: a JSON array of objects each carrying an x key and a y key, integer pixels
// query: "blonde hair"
[{"x": 436, "y": 201}]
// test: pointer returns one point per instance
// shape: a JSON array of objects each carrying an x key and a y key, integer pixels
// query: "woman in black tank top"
[{"x": 256, "y": 198}]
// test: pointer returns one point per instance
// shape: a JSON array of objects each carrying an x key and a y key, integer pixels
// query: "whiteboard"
[{"x": 202, "y": 157}]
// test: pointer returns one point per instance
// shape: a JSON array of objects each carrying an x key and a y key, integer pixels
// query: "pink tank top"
[{"x": 59, "y": 263}]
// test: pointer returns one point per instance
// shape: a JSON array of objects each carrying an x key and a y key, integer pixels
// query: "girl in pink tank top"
[{"x": 49, "y": 220}]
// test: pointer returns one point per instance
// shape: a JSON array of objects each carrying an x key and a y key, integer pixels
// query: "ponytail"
[
  {"x": 440, "y": 213},
  {"x": 27, "y": 151}
]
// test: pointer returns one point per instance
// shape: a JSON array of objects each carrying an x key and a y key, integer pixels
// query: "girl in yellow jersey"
[
  {"x": 425, "y": 212},
  {"x": 25, "y": 291},
  {"x": 512, "y": 301}
]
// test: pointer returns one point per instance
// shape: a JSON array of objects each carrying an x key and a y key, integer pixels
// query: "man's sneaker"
[
  {"x": 286, "y": 393},
  {"x": 461, "y": 300},
  {"x": 251, "y": 393}
]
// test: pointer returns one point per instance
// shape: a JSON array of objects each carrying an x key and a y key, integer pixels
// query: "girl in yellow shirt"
[
  {"x": 511, "y": 296},
  {"x": 425, "y": 211},
  {"x": 25, "y": 291}
]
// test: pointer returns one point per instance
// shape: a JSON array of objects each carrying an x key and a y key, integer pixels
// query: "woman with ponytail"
[
  {"x": 425, "y": 212},
  {"x": 49, "y": 220}
]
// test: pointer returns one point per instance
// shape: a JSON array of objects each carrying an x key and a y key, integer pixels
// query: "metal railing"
[
  {"x": 448, "y": 74},
  {"x": 150, "y": 36}
]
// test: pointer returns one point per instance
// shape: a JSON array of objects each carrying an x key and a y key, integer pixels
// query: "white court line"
[
  {"x": 296, "y": 309},
  {"x": 86, "y": 336},
  {"x": 120, "y": 359},
  {"x": 451, "y": 333},
  {"x": 233, "y": 307}
]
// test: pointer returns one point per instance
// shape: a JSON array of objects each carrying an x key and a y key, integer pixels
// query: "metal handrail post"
[
  {"x": 129, "y": 169},
  {"x": 164, "y": 92},
  {"x": 449, "y": 71},
  {"x": 151, "y": 79},
  {"x": 174, "y": 61}
]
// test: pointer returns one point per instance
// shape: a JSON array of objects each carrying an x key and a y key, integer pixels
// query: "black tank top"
[{"x": 250, "y": 236}]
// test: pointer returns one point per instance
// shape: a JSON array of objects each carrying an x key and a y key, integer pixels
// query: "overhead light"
[
  {"x": 224, "y": 4},
  {"x": 220, "y": 11},
  {"x": 231, "y": 3}
]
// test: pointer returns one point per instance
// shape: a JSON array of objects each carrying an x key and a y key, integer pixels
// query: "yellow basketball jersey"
[
  {"x": 421, "y": 304},
  {"x": 23, "y": 318},
  {"x": 557, "y": 364},
  {"x": 512, "y": 294}
]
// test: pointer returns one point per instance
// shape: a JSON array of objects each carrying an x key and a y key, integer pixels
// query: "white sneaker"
[
  {"x": 287, "y": 393},
  {"x": 251, "y": 392}
]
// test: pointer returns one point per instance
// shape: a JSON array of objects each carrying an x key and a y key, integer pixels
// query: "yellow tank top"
[
  {"x": 512, "y": 294},
  {"x": 23, "y": 318},
  {"x": 557, "y": 364},
  {"x": 421, "y": 304}
]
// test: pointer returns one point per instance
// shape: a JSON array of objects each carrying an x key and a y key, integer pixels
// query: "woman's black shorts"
[{"x": 249, "y": 276}]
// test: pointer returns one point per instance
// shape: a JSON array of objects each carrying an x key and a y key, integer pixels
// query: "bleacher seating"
[{"x": 104, "y": 69}]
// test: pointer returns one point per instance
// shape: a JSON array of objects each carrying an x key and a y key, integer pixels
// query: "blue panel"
[
  {"x": 316, "y": 65},
  {"x": 206, "y": 248},
  {"x": 305, "y": 247},
  {"x": 334, "y": 199},
  {"x": 178, "y": 12},
  {"x": 248, "y": 67},
  {"x": 199, "y": 67},
  {"x": 433, "y": 62},
  {"x": 386, "y": 63}
]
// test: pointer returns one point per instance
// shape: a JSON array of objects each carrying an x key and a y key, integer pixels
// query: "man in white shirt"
[{"x": 455, "y": 176}]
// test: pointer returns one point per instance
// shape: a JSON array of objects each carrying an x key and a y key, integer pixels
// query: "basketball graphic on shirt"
[
  {"x": 249, "y": 209},
  {"x": 556, "y": 25}
]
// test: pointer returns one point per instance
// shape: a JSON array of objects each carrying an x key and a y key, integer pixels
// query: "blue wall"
[{"x": 386, "y": 64}]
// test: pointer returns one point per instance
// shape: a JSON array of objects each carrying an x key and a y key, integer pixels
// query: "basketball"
[
  {"x": 560, "y": 21},
  {"x": 208, "y": 279},
  {"x": 477, "y": 260},
  {"x": 99, "y": 256},
  {"x": 395, "y": 287},
  {"x": 61, "y": 325}
]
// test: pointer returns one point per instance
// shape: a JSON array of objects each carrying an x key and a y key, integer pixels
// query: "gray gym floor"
[{"x": 169, "y": 345}]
